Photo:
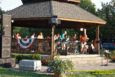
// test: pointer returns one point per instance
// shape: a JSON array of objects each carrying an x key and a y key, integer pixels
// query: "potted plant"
[{"x": 59, "y": 66}]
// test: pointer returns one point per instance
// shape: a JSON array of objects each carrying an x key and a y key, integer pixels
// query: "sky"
[
  {"x": 98, "y": 2},
  {"x": 11, "y": 4}
]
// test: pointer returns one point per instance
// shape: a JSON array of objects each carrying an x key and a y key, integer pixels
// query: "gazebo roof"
[{"x": 63, "y": 10}]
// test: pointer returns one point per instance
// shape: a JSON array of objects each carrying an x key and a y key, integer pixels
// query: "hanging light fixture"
[{"x": 55, "y": 20}]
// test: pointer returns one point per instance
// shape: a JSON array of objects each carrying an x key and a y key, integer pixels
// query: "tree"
[
  {"x": 88, "y": 5},
  {"x": 108, "y": 13},
  {"x": 0, "y": 11}
]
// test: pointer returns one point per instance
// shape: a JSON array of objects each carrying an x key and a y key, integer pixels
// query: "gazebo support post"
[
  {"x": 98, "y": 39},
  {"x": 54, "y": 21},
  {"x": 53, "y": 42}
]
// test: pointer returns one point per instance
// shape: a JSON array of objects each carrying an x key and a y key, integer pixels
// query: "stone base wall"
[
  {"x": 7, "y": 62},
  {"x": 84, "y": 59}
]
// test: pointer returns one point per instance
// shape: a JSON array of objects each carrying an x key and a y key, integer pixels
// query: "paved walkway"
[{"x": 97, "y": 67}]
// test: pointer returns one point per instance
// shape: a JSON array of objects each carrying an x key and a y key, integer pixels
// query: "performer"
[
  {"x": 83, "y": 40},
  {"x": 63, "y": 40},
  {"x": 40, "y": 42},
  {"x": 62, "y": 37},
  {"x": 18, "y": 36},
  {"x": 57, "y": 41},
  {"x": 33, "y": 36},
  {"x": 40, "y": 36}
]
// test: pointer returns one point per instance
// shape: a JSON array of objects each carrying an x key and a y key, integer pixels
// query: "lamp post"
[{"x": 54, "y": 21}]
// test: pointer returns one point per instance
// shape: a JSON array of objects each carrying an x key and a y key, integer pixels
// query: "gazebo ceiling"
[
  {"x": 45, "y": 10},
  {"x": 44, "y": 23}
]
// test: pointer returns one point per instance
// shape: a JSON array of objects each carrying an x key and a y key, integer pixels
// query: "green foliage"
[
  {"x": 95, "y": 73},
  {"x": 24, "y": 31},
  {"x": 91, "y": 32},
  {"x": 107, "y": 13},
  {"x": 60, "y": 66},
  {"x": 71, "y": 32},
  {"x": 36, "y": 56},
  {"x": 19, "y": 57},
  {"x": 1, "y": 11},
  {"x": 113, "y": 55},
  {"x": 88, "y": 5}
]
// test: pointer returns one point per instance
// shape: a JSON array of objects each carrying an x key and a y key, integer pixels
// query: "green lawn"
[
  {"x": 11, "y": 73},
  {"x": 98, "y": 73},
  {"x": 102, "y": 73}
]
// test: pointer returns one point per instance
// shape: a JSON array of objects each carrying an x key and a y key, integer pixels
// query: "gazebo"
[{"x": 48, "y": 14}]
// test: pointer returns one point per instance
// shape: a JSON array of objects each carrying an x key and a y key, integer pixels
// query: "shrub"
[
  {"x": 59, "y": 66},
  {"x": 19, "y": 57},
  {"x": 113, "y": 55},
  {"x": 36, "y": 56}
]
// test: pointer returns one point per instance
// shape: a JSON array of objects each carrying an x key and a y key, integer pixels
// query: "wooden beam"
[
  {"x": 76, "y": 1},
  {"x": 83, "y": 21}
]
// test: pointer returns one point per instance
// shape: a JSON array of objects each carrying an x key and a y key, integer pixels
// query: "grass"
[
  {"x": 101, "y": 73},
  {"x": 97, "y": 73},
  {"x": 11, "y": 73}
]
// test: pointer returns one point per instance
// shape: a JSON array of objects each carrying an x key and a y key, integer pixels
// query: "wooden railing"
[
  {"x": 44, "y": 46},
  {"x": 38, "y": 46}
]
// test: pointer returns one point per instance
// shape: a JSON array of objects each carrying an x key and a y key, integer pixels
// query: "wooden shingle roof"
[
  {"x": 64, "y": 11},
  {"x": 35, "y": 10},
  {"x": 71, "y": 12}
]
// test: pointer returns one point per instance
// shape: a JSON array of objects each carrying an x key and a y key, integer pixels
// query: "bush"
[
  {"x": 19, "y": 57},
  {"x": 36, "y": 56},
  {"x": 113, "y": 55},
  {"x": 95, "y": 73},
  {"x": 60, "y": 66}
]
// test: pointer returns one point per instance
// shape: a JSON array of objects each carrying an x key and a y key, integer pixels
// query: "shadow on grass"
[{"x": 11, "y": 73}]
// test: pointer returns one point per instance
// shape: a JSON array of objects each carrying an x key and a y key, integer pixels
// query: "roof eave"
[
  {"x": 83, "y": 21},
  {"x": 75, "y": 1}
]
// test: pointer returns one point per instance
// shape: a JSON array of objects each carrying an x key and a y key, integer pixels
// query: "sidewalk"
[{"x": 110, "y": 66}]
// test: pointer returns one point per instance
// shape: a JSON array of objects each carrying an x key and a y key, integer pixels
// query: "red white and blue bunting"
[{"x": 25, "y": 42}]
